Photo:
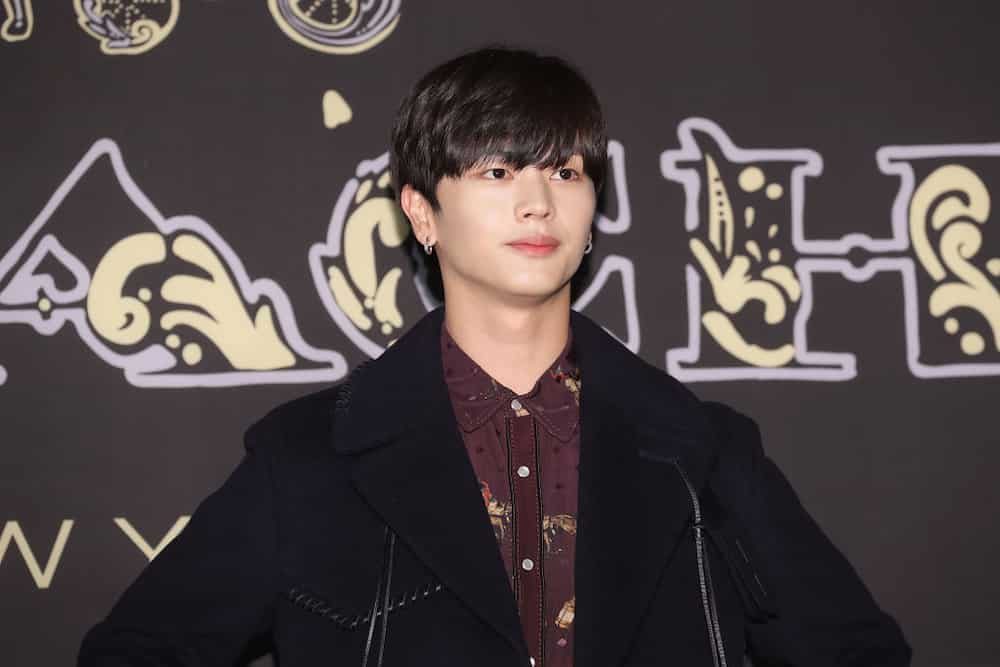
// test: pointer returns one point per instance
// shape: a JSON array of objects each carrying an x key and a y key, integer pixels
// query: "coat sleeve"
[
  {"x": 825, "y": 614},
  {"x": 212, "y": 589}
]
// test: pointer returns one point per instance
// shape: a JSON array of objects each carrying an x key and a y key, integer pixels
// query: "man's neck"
[{"x": 515, "y": 344}]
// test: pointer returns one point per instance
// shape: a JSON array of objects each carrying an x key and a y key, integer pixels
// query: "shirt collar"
[{"x": 554, "y": 400}]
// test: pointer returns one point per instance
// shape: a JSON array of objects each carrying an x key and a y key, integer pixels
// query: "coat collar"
[
  {"x": 406, "y": 382},
  {"x": 411, "y": 465}
]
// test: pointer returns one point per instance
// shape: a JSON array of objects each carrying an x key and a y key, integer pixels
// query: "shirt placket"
[{"x": 527, "y": 519}]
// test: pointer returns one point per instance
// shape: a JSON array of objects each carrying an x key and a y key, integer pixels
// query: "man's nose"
[{"x": 534, "y": 200}]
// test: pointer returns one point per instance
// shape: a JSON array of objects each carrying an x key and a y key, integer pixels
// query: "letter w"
[{"x": 43, "y": 578}]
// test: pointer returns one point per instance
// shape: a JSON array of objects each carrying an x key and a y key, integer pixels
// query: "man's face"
[{"x": 513, "y": 235}]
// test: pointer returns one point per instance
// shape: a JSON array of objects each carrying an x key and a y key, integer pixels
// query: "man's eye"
[
  {"x": 565, "y": 174},
  {"x": 495, "y": 173}
]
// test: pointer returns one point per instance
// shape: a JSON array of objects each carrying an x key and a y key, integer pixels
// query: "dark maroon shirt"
[{"x": 525, "y": 450}]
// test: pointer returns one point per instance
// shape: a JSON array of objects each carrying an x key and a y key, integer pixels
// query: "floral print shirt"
[{"x": 525, "y": 450}]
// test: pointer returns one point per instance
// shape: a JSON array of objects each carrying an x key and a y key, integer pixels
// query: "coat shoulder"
[
  {"x": 737, "y": 435},
  {"x": 300, "y": 426},
  {"x": 730, "y": 426}
]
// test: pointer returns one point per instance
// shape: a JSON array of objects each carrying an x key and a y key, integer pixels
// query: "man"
[{"x": 506, "y": 484}]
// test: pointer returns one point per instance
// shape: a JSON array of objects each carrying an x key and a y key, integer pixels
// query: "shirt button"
[
  {"x": 523, "y": 471},
  {"x": 515, "y": 404},
  {"x": 527, "y": 565}
]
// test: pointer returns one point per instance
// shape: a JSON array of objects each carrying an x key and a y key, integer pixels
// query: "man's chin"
[{"x": 534, "y": 292}]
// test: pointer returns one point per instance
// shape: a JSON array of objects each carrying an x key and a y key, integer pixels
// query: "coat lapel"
[
  {"x": 410, "y": 464},
  {"x": 424, "y": 487},
  {"x": 633, "y": 506}
]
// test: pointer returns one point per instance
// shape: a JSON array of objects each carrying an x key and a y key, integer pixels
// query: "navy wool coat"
[{"x": 354, "y": 526}]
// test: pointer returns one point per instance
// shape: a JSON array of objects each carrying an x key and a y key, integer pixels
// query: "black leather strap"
[{"x": 380, "y": 604}]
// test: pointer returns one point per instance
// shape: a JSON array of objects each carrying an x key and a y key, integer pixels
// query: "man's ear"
[{"x": 420, "y": 213}]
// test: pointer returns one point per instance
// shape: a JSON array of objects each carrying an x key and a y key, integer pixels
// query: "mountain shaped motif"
[{"x": 165, "y": 299}]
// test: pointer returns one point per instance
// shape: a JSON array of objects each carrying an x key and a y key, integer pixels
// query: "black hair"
[{"x": 496, "y": 102}]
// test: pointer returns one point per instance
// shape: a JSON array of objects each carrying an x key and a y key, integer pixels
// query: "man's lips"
[
  {"x": 536, "y": 245},
  {"x": 539, "y": 241}
]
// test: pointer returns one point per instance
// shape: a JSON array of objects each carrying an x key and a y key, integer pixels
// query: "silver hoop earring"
[
  {"x": 590, "y": 245},
  {"x": 428, "y": 247}
]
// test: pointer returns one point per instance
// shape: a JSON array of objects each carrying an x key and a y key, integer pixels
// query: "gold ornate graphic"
[
  {"x": 167, "y": 300},
  {"x": 336, "y": 110},
  {"x": 745, "y": 211},
  {"x": 120, "y": 319},
  {"x": 127, "y": 27},
  {"x": 336, "y": 26},
  {"x": 366, "y": 289},
  {"x": 739, "y": 271},
  {"x": 947, "y": 213},
  {"x": 20, "y": 20},
  {"x": 216, "y": 311},
  {"x": 248, "y": 343}
]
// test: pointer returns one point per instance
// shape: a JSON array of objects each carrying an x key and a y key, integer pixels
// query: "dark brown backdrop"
[{"x": 223, "y": 121}]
